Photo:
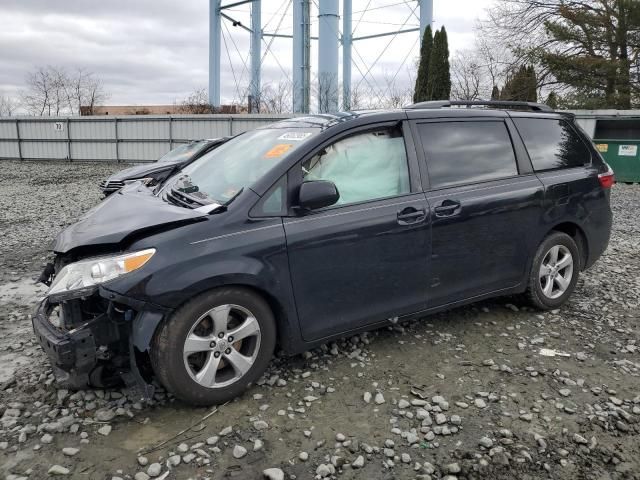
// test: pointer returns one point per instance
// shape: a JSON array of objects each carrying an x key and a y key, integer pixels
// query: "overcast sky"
[{"x": 156, "y": 51}]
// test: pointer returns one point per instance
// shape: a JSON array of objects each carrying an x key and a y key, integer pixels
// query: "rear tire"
[
  {"x": 554, "y": 271},
  {"x": 215, "y": 346}
]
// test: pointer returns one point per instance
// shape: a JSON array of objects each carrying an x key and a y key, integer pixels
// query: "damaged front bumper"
[
  {"x": 72, "y": 351},
  {"x": 98, "y": 339}
]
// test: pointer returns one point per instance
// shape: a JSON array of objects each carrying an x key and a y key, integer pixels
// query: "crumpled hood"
[
  {"x": 140, "y": 171},
  {"x": 130, "y": 210}
]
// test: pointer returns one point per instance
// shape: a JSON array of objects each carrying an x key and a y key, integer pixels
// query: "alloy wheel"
[
  {"x": 556, "y": 271},
  {"x": 222, "y": 346}
]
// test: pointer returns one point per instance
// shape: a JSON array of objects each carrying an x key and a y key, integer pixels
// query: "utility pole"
[
  {"x": 346, "y": 54},
  {"x": 215, "y": 33}
]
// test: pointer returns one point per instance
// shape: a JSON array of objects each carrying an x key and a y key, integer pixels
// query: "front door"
[{"x": 364, "y": 259}]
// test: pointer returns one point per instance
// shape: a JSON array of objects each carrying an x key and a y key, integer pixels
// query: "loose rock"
[
  {"x": 273, "y": 474},
  {"x": 239, "y": 451}
]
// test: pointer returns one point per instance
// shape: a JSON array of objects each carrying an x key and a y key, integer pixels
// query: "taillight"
[{"x": 607, "y": 179}]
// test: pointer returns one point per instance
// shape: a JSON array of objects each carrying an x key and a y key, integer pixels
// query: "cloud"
[{"x": 156, "y": 51}]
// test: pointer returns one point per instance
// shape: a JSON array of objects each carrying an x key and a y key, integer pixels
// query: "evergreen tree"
[
  {"x": 495, "y": 93},
  {"x": 508, "y": 92},
  {"x": 420, "y": 93},
  {"x": 439, "y": 80},
  {"x": 435, "y": 52},
  {"x": 446, "y": 67},
  {"x": 552, "y": 100},
  {"x": 532, "y": 85},
  {"x": 589, "y": 47},
  {"x": 521, "y": 86},
  {"x": 603, "y": 39}
]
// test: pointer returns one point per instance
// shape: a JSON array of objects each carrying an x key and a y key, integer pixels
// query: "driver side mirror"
[{"x": 316, "y": 194}]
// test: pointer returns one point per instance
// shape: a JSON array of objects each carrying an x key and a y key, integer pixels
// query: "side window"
[
  {"x": 364, "y": 166},
  {"x": 272, "y": 203},
  {"x": 467, "y": 152},
  {"x": 552, "y": 144}
]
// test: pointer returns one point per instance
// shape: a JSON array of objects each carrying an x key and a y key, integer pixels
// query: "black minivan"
[{"x": 318, "y": 227}]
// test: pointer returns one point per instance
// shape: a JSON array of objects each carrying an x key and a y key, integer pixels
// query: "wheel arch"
[
  {"x": 576, "y": 232},
  {"x": 146, "y": 324},
  {"x": 277, "y": 308}
]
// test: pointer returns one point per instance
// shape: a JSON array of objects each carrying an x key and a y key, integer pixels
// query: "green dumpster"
[{"x": 619, "y": 143}]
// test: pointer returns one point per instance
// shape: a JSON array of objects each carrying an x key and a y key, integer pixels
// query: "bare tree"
[
  {"x": 475, "y": 72},
  {"x": 60, "y": 91},
  {"x": 468, "y": 77},
  {"x": 497, "y": 61},
  {"x": 8, "y": 106},
  {"x": 86, "y": 92},
  {"x": 37, "y": 97},
  {"x": 358, "y": 97},
  {"x": 395, "y": 96},
  {"x": 197, "y": 102},
  {"x": 327, "y": 92},
  {"x": 47, "y": 91},
  {"x": 278, "y": 98},
  {"x": 52, "y": 91}
]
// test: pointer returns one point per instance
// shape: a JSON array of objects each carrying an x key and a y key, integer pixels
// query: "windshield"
[
  {"x": 222, "y": 173},
  {"x": 182, "y": 153}
]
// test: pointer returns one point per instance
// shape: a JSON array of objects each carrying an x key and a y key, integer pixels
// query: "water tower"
[{"x": 329, "y": 41}]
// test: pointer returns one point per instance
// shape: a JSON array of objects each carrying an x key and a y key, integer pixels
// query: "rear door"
[
  {"x": 568, "y": 167},
  {"x": 485, "y": 202},
  {"x": 364, "y": 259},
  {"x": 560, "y": 158}
]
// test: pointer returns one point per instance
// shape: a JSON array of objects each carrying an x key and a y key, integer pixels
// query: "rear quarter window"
[
  {"x": 467, "y": 152},
  {"x": 552, "y": 144}
]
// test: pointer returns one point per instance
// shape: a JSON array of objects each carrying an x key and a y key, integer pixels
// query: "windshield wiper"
[
  {"x": 235, "y": 195},
  {"x": 174, "y": 171}
]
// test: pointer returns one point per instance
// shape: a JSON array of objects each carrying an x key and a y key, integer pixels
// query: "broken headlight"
[{"x": 84, "y": 275}]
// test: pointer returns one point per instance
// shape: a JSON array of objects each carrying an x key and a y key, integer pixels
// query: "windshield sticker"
[
  {"x": 295, "y": 136},
  {"x": 278, "y": 150}
]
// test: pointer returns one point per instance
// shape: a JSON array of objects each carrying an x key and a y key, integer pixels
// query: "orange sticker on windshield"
[{"x": 278, "y": 150}]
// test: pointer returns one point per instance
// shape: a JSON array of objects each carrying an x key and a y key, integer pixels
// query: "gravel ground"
[{"x": 463, "y": 394}]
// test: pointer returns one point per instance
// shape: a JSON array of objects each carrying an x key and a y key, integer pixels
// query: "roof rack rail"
[{"x": 536, "y": 107}]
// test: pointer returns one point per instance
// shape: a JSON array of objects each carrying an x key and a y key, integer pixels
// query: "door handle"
[
  {"x": 448, "y": 208},
  {"x": 411, "y": 215}
]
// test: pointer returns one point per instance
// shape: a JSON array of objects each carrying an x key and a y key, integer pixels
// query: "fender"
[
  {"x": 279, "y": 299},
  {"x": 147, "y": 321},
  {"x": 189, "y": 279},
  {"x": 143, "y": 327}
]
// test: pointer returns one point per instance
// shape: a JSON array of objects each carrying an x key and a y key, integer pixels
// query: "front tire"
[
  {"x": 215, "y": 346},
  {"x": 554, "y": 271}
]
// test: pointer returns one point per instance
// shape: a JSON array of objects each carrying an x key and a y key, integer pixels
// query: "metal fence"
[
  {"x": 138, "y": 138},
  {"x": 114, "y": 139}
]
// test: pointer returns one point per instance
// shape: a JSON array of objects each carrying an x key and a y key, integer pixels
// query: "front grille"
[
  {"x": 175, "y": 197},
  {"x": 111, "y": 185}
]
